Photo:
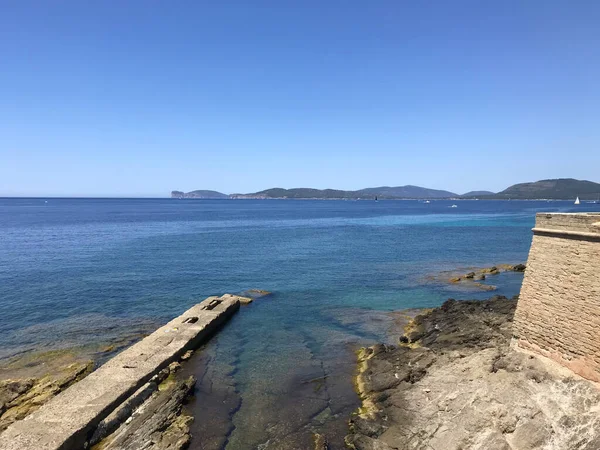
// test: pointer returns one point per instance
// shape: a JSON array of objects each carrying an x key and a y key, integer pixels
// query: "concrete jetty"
[{"x": 67, "y": 421}]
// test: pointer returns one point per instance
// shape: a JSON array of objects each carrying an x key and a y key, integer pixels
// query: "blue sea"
[{"x": 74, "y": 272}]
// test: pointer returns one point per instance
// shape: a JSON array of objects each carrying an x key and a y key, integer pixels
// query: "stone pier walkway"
[{"x": 66, "y": 421}]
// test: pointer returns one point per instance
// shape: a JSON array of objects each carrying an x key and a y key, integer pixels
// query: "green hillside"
[
  {"x": 384, "y": 192},
  {"x": 474, "y": 194},
  {"x": 557, "y": 189}
]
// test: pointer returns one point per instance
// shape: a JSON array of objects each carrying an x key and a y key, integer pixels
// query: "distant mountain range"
[
  {"x": 384, "y": 192},
  {"x": 557, "y": 189}
]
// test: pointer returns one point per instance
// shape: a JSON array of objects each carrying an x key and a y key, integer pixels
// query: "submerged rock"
[
  {"x": 249, "y": 296},
  {"x": 256, "y": 293},
  {"x": 474, "y": 277},
  {"x": 493, "y": 270}
]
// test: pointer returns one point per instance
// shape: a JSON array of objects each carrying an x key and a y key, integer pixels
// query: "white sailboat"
[{"x": 577, "y": 201}]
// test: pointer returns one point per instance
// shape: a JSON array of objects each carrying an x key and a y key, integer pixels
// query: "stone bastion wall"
[{"x": 558, "y": 313}]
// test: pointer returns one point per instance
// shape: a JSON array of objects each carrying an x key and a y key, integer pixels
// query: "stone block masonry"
[
  {"x": 558, "y": 313},
  {"x": 67, "y": 421}
]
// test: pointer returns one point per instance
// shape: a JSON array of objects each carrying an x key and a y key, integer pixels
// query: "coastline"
[
  {"x": 440, "y": 356},
  {"x": 454, "y": 381},
  {"x": 30, "y": 381},
  {"x": 432, "y": 390},
  {"x": 135, "y": 387}
]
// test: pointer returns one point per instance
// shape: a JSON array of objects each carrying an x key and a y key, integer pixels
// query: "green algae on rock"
[{"x": 28, "y": 381}]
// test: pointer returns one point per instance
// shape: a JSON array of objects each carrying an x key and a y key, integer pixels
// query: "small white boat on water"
[
  {"x": 454, "y": 206},
  {"x": 426, "y": 201},
  {"x": 577, "y": 201}
]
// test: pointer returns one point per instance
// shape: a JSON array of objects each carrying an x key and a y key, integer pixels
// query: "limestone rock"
[
  {"x": 461, "y": 386},
  {"x": 360, "y": 442},
  {"x": 11, "y": 389},
  {"x": 494, "y": 440},
  {"x": 532, "y": 434}
]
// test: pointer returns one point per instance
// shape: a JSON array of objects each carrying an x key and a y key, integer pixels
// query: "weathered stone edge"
[{"x": 566, "y": 233}]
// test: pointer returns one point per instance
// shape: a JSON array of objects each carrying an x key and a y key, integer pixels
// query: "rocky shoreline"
[
  {"x": 454, "y": 382},
  {"x": 28, "y": 381},
  {"x": 475, "y": 276},
  {"x": 154, "y": 413},
  {"x": 152, "y": 417}
]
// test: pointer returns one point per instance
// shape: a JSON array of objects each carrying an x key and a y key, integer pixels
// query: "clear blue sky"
[{"x": 136, "y": 98}]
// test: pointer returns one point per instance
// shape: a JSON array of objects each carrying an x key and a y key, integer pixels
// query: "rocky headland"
[{"x": 454, "y": 382}]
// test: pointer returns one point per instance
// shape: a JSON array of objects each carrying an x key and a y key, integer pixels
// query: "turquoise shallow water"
[{"x": 74, "y": 271}]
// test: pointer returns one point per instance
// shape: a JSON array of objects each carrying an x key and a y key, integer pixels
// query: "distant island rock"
[
  {"x": 198, "y": 194},
  {"x": 555, "y": 189}
]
